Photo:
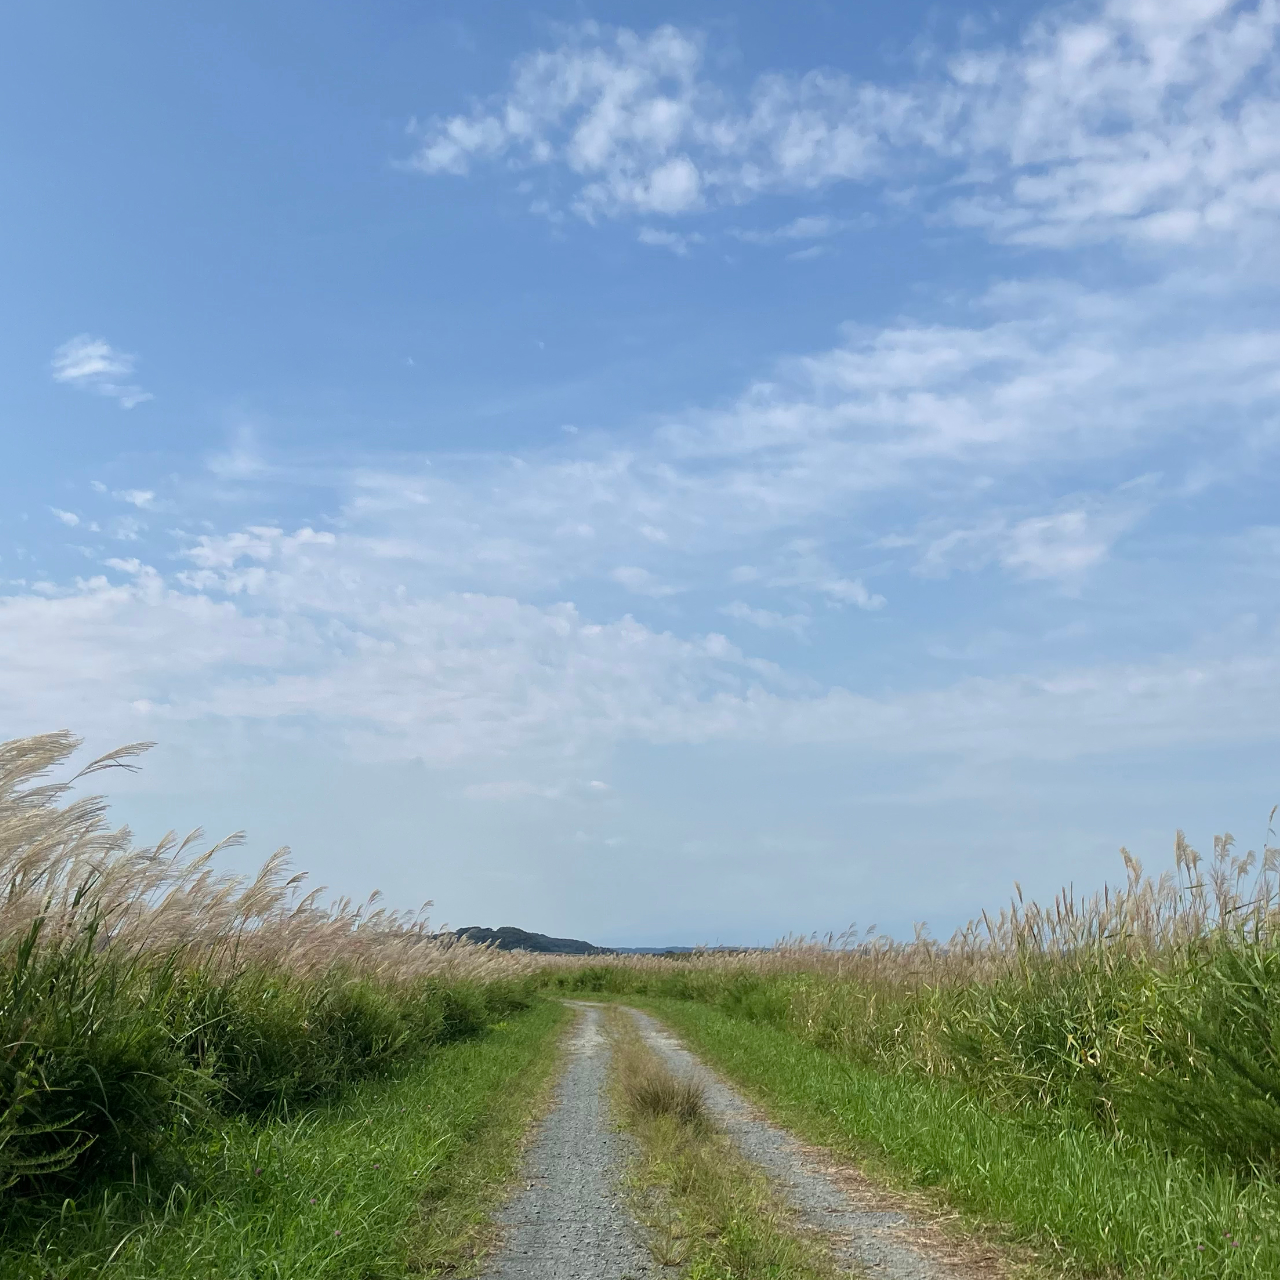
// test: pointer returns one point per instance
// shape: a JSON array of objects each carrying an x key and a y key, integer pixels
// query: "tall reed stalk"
[
  {"x": 143, "y": 989},
  {"x": 1150, "y": 1010}
]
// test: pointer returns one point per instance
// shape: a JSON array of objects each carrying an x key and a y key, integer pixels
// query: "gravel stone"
[
  {"x": 871, "y": 1243},
  {"x": 568, "y": 1222}
]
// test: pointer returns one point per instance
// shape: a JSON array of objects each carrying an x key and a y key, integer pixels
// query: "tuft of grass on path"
[
  {"x": 1096, "y": 1204},
  {"x": 399, "y": 1175},
  {"x": 708, "y": 1208}
]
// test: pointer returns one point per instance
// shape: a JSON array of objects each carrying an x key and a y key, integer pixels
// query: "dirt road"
[
  {"x": 569, "y": 1221},
  {"x": 866, "y": 1239}
]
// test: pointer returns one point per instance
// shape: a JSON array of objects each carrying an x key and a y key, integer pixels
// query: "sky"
[{"x": 653, "y": 473}]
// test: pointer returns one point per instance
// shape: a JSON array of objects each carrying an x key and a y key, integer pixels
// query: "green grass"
[
  {"x": 397, "y": 1175},
  {"x": 708, "y": 1208},
  {"x": 107, "y": 1056},
  {"x": 1099, "y": 1204}
]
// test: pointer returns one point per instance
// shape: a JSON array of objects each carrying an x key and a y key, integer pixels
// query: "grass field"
[
  {"x": 145, "y": 995},
  {"x": 397, "y": 1175},
  {"x": 1098, "y": 1079},
  {"x": 1081, "y": 1199},
  {"x": 208, "y": 1076}
]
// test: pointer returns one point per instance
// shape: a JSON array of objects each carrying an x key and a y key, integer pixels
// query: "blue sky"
[{"x": 654, "y": 473}]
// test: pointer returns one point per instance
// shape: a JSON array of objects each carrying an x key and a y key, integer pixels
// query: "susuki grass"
[
  {"x": 66, "y": 875},
  {"x": 155, "y": 1012},
  {"x": 1085, "y": 1201},
  {"x": 395, "y": 1176},
  {"x": 1151, "y": 1011},
  {"x": 1101, "y": 1076}
]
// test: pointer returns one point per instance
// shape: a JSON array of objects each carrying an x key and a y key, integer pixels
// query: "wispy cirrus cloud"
[
  {"x": 1062, "y": 546},
  {"x": 1128, "y": 120},
  {"x": 93, "y": 364},
  {"x": 456, "y": 677},
  {"x": 806, "y": 227},
  {"x": 431, "y": 612},
  {"x": 767, "y": 619},
  {"x": 810, "y": 467},
  {"x": 431, "y": 616},
  {"x": 642, "y": 582}
]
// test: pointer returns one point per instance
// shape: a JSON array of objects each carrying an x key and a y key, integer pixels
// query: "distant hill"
[{"x": 511, "y": 939}]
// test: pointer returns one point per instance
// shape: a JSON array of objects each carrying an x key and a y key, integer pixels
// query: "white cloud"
[
  {"x": 850, "y": 591},
  {"x": 801, "y": 565},
  {"x": 242, "y": 460},
  {"x": 144, "y": 499},
  {"x": 1155, "y": 123},
  {"x": 127, "y": 529},
  {"x": 68, "y": 518},
  {"x": 641, "y": 582},
  {"x": 1059, "y": 546},
  {"x": 453, "y": 677},
  {"x": 94, "y": 365},
  {"x": 806, "y": 227},
  {"x": 442, "y": 676},
  {"x": 673, "y": 240},
  {"x": 632, "y": 117},
  {"x": 955, "y": 420},
  {"x": 767, "y": 619},
  {"x": 84, "y": 359},
  {"x": 1063, "y": 546},
  {"x": 428, "y": 611},
  {"x": 1054, "y": 373}
]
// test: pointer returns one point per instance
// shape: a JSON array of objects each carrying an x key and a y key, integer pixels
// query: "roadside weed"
[{"x": 706, "y": 1206}]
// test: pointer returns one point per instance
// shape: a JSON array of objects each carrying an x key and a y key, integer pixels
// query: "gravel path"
[
  {"x": 871, "y": 1242},
  {"x": 568, "y": 1221}
]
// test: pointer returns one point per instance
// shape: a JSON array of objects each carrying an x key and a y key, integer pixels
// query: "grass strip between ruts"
[
  {"x": 1094, "y": 1205},
  {"x": 399, "y": 1176},
  {"x": 708, "y": 1209}
]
